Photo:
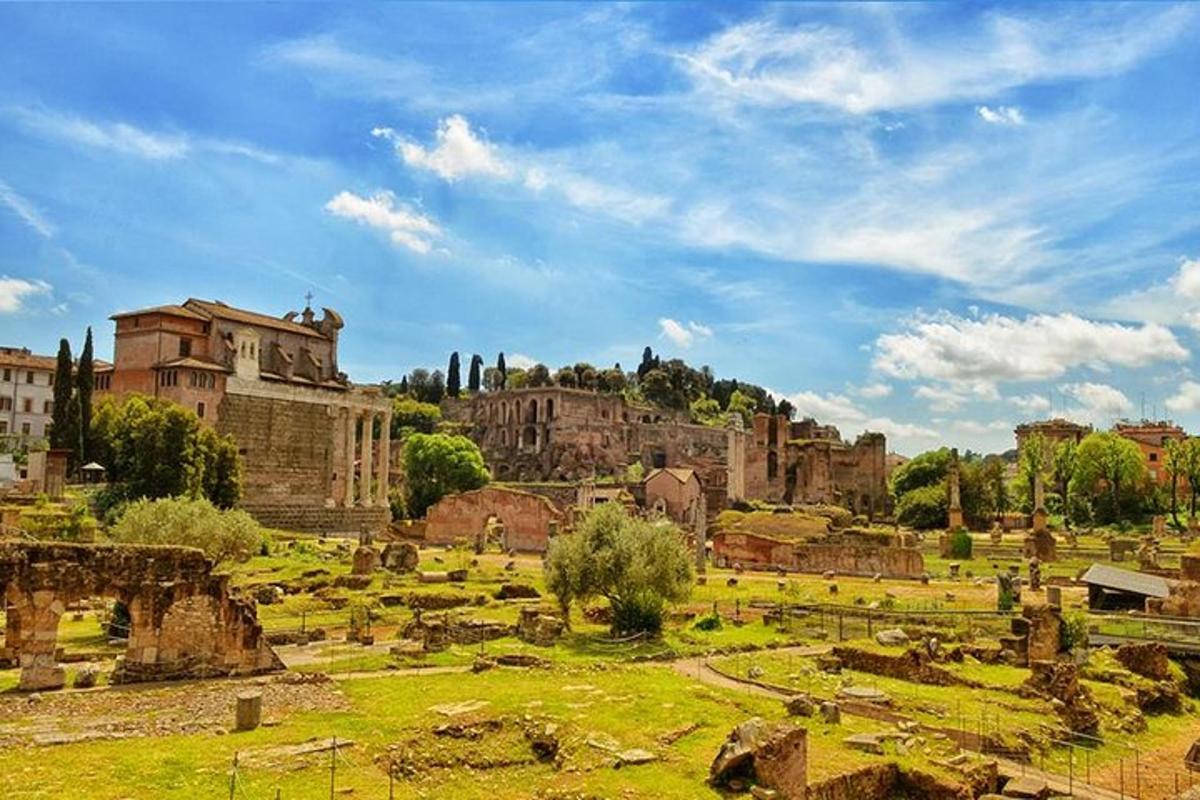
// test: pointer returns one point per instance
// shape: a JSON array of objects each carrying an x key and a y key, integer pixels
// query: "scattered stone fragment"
[{"x": 892, "y": 637}]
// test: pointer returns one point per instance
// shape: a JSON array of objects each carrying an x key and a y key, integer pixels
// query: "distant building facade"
[
  {"x": 26, "y": 394},
  {"x": 1053, "y": 431},
  {"x": 315, "y": 448},
  {"x": 562, "y": 434},
  {"x": 1152, "y": 438}
]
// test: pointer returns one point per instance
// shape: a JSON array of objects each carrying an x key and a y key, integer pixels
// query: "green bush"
[
  {"x": 1074, "y": 631},
  {"x": 439, "y": 464},
  {"x": 708, "y": 622},
  {"x": 960, "y": 545},
  {"x": 222, "y": 535}
]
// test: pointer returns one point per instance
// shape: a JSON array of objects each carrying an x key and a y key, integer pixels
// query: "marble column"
[
  {"x": 351, "y": 419},
  {"x": 368, "y": 434},
  {"x": 385, "y": 456}
]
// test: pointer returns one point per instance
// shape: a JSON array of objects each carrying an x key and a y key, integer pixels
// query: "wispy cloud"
[
  {"x": 1001, "y": 115},
  {"x": 762, "y": 62},
  {"x": 15, "y": 291},
  {"x": 26, "y": 211}
]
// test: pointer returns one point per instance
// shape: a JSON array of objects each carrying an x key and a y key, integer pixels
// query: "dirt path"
[{"x": 1161, "y": 769}]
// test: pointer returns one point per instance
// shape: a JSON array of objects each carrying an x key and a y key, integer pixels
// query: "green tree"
[
  {"x": 153, "y": 448},
  {"x": 743, "y": 404},
  {"x": 997, "y": 487},
  {"x": 924, "y": 507},
  {"x": 502, "y": 368},
  {"x": 411, "y": 416},
  {"x": 567, "y": 378},
  {"x": 453, "y": 376},
  {"x": 926, "y": 469},
  {"x": 1062, "y": 469},
  {"x": 538, "y": 376},
  {"x": 84, "y": 384},
  {"x": 1032, "y": 463},
  {"x": 786, "y": 409},
  {"x": 1108, "y": 468},
  {"x": 638, "y": 566},
  {"x": 706, "y": 411},
  {"x": 64, "y": 429},
  {"x": 439, "y": 464},
  {"x": 474, "y": 376},
  {"x": 1175, "y": 464},
  {"x": 1191, "y": 469},
  {"x": 231, "y": 535}
]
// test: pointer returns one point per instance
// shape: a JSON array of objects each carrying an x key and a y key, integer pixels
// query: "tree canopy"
[
  {"x": 439, "y": 464},
  {"x": 637, "y": 565}
]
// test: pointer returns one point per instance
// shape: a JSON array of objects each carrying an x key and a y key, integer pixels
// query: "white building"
[{"x": 26, "y": 393}]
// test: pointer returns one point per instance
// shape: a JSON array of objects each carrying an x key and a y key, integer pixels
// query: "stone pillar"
[
  {"x": 348, "y": 499},
  {"x": 368, "y": 434},
  {"x": 249, "y": 710},
  {"x": 385, "y": 456},
  {"x": 37, "y": 614},
  {"x": 956, "y": 514}
]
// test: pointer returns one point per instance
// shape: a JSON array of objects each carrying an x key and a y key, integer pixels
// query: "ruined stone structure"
[
  {"x": 523, "y": 521},
  {"x": 315, "y": 449},
  {"x": 1053, "y": 431},
  {"x": 955, "y": 513},
  {"x": 844, "y": 555},
  {"x": 183, "y": 620},
  {"x": 559, "y": 434}
]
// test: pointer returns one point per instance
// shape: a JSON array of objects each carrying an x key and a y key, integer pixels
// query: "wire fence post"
[
  {"x": 233, "y": 775},
  {"x": 332, "y": 767}
]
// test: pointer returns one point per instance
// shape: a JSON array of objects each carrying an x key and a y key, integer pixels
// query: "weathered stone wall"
[
  {"x": 335, "y": 520},
  {"x": 750, "y": 549},
  {"x": 529, "y": 520},
  {"x": 183, "y": 620},
  {"x": 286, "y": 447}
]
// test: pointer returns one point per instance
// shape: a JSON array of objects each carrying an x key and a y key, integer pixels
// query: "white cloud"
[
  {"x": 1186, "y": 399},
  {"x": 763, "y": 63},
  {"x": 520, "y": 360},
  {"x": 994, "y": 348},
  {"x": 874, "y": 391},
  {"x": 15, "y": 291},
  {"x": 941, "y": 398},
  {"x": 1031, "y": 403},
  {"x": 683, "y": 335},
  {"x": 1173, "y": 301},
  {"x": 1099, "y": 403},
  {"x": 976, "y": 428},
  {"x": 27, "y": 212},
  {"x": 841, "y": 411},
  {"x": 1001, "y": 115},
  {"x": 120, "y": 137},
  {"x": 457, "y": 153},
  {"x": 405, "y": 227}
]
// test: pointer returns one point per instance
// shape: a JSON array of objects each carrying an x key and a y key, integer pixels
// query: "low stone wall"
[
  {"x": 912, "y": 665},
  {"x": 885, "y": 781},
  {"x": 183, "y": 620},
  {"x": 528, "y": 520},
  {"x": 320, "y": 519},
  {"x": 752, "y": 550}
]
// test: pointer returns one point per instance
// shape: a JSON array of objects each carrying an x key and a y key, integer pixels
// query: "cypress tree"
[
  {"x": 473, "y": 377},
  {"x": 453, "y": 379},
  {"x": 61, "y": 430},
  {"x": 84, "y": 386},
  {"x": 404, "y": 385},
  {"x": 503, "y": 371}
]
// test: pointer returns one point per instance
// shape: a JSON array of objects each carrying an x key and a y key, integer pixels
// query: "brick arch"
[
  {"x": 171, "y": 593},
  {"x": 529, "y": 519}
]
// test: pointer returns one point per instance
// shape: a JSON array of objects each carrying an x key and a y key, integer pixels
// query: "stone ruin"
[
  {"x": 183, "y": 620},
  {"x": 1041, "y": 545}
]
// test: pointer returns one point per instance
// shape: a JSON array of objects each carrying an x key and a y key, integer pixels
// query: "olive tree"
[{"x": 637, "y": 565}]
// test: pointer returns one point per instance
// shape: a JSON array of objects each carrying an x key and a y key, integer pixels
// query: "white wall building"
[{"x": 26, "y": 393}]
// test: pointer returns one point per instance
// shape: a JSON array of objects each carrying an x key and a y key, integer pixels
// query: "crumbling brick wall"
[
  {"x": 183, "y": 619},
  {"x": 528, "y": 519},
  {"x": 750, "y": 549}
]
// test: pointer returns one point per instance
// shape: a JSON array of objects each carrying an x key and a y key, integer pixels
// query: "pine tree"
[
  {"x": 84, "y": 386},
  {"x": 61, "y": 430},
  {"x": 474, "y": 377},
  {"x": 503, "y": 371},
  {"x": 404, "y": 385},
  {"x": 453, "y": 379}
]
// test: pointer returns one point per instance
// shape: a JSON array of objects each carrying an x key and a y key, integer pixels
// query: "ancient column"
[
  {"x": 368, "y": 435},
  {"x": 385, "y": 456},
  {"x": 351, "y": 420},
  {"x": 956, "y": 513}
]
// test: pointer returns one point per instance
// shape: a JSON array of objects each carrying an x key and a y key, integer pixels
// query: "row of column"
[{"x": 367, "y": 494}]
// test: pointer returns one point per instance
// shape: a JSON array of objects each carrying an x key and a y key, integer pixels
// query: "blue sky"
[{"x": 931, "y": 220}]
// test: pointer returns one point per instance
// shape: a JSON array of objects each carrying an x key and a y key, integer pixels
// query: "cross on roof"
[{"x": 308, "y": 296}]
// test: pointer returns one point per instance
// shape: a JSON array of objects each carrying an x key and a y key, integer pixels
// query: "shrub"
[
  {"x": 960, "y": 545},
  {"x": 220, "y": 534},
  {"x": 708, "y": 622},
  {"x": 1074, "y": 631}
]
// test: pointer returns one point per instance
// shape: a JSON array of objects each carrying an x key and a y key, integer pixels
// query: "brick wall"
[{"x": 286, "y": 447}]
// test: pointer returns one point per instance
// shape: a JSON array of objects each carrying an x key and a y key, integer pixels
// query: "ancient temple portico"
[{"x": 366, "y": 435}]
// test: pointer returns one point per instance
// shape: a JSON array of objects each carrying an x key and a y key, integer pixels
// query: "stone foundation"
[
  {"x": 183, "y": 620},
  {"x": 335, "y": 520},
  {"x": 750, "y": 549}
]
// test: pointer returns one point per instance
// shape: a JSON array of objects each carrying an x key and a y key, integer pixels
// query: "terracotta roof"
[
  {"x": 678, "y": 473},
  {"x": 191, "y": 362},
  {"x": 170, "y": 310},
  {"x": 20, "y": 357},
  {"x": 215, "y": 308}
]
